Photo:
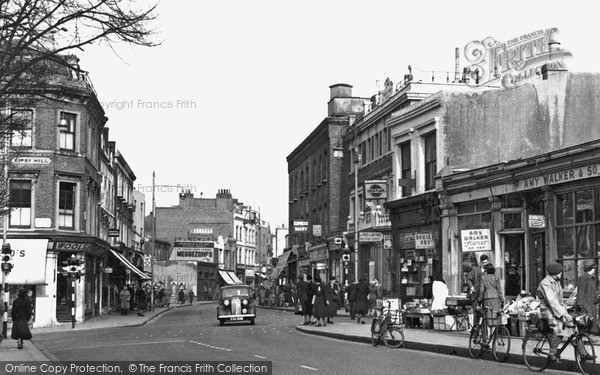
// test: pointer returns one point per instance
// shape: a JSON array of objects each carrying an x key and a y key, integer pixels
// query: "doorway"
[
  {"x": 537, "y": 260},
  {"x": 514, "y": 256}
]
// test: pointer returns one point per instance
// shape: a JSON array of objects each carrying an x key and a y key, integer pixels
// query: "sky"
[{"x": 237, "y": 85}]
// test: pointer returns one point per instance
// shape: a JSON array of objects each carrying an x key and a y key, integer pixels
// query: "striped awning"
[{"x": 130, "y": 265}]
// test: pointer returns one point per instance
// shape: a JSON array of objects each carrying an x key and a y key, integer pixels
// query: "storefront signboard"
[
  {"x": 201, "y": 251},
  {"x": 554, "y": 178},
  {"x": 424, "y": 241},
  {"x": 370, "y": 237},
  {"x": 387, "y": 241},
  {"x": 537, "y": 221},
  {"x": 475, "y": 240}
]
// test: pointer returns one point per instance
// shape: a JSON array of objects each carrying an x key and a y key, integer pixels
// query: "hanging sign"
[
  {"x": 537, "y": 221},
  {"x": 424, "y": 241},
  {"x": 475, "y": 239}
]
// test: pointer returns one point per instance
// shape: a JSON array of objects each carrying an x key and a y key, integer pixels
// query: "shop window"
[
  {"x": 20, "y": 204},
  {"x": 564, "y": 209},
  {"x": 584, "y": 209},
  {"x": 564, "y": 243},
  {"x": 584, "y": 240},
  {"x": 406, "y": 167}
]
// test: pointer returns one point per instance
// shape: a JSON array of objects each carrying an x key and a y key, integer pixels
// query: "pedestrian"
[
  {"x": 132, "y": 303},
  {"x": 490, "y": 294},
  {"x": 210, "y": 294},
  {"x": 191, "y": 296},
  {"x": 159, "y": 301},
  {"x": 181, "y": 296},
  {"x": 141, "y": 299},
  {"x": 320, "y": 303},
  {"x": 473, "y": 279},
  {"x": 21, "y": 314},
  {"x": 550, "y": 294},
  {"x": 302, "y": 299},
  {"x": 262, "y": 295},
  {"x": 362, "y": 303},
  {"x": 311, "y": 291},
  {"x": 167, "y": 297},
  {"x": 124, "y": 300},
  {"x": 332, "y": 294},
  {"x": 586, "y": 293},
  {"x": 372, "y": 298},
  {"x": 352, "y": 292}
]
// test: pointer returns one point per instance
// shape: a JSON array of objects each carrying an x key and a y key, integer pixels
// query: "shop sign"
[
  {"x": 475, "y": 240},
  {"x": 107, "y": 270},
  {"x": 566, "y": 175},
  {"x": 77, "y": 246},
  {"x": 424, "y": 241},
  {"x": 320, "y": 266},
  {"x": 28, "y": 160},
  {"x": 201, "y": 251},
  {"x": 300, "y": 226},
  {"x": 370, "y": 237},
  {"x": 537, "y": 221},
  {"x": 375, "y": 189},
  {"x": 516, "y": 61},
  {"x": 250, "y": 273},
  {"x": 113, "y": 232}
]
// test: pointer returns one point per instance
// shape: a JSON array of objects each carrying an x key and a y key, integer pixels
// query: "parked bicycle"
[
  {"x": 481, "y": 338},
  {"x": 389, "y": 327},
  {"x": 536, "y": 346}
]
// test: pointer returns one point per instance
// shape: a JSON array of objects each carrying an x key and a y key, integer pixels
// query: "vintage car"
[{"x": 236, "y": 304}]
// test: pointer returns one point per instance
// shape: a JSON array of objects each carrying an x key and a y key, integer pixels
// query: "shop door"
[
  {"x": 537, "y": 262},
  {"x": 63, "y": 299},
  {"x": 514, "y": 264}
]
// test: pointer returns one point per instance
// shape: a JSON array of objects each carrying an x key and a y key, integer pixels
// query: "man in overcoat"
[
  {"x": 550, "y": 294},
  {"x": 352, "y": 293},
  {"x": 586, "y": 292}
]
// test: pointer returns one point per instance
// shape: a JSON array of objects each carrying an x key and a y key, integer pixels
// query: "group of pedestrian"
[
  {"x": 22, "y": 312},
  {"x": 485, "y": 290},
  {"x": 318, "y": 301},
  {"x": 364, "y": 299}
]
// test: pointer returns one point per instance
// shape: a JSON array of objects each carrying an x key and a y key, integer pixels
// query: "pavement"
[{"x": 443, "y": 342}]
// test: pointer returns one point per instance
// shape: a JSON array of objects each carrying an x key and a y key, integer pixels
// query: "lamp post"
[{"x": 356, "y": 159}]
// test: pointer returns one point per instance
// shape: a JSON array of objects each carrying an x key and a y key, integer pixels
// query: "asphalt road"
[{"x": 194, "y": 334}]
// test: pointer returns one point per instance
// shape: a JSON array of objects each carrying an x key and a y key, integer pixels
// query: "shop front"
[
  {"x": 319, "y": 259},
  {"x": 525, "y": 214},
  {"x": 416, "y": 255}
]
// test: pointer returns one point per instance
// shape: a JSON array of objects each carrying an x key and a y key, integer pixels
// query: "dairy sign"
[
  {"x": 193, "y": 251},
  {"x": 515, "y": 61},
  {"x": 476, "y": 240}
]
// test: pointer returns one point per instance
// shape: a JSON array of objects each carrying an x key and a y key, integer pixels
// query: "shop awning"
[
  {"x": 29, "y": 261},
  {"x": 129, "y": 265},
  {"x": 281, "y": 264},
  {"x": 229, "y": 277}
]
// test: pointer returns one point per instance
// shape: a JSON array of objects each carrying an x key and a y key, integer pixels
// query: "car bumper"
[{"x": 241, "y": 316}]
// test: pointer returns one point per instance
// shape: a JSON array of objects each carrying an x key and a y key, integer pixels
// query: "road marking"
[
  {"x": 211, "y": 346},
  {"x": 310, "y": 368},
  {"x": 113, "y": 345},
  {"x": 260, "y": 356}
]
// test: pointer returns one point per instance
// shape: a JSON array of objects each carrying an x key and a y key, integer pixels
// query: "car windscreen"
[{"x": 242, "y": 292}]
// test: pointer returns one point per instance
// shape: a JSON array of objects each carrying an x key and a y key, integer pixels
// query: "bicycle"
[
  {"x": 536, "y": 347},
  {"x": 384, "y": 326},
  {"x": 499, "y": 338}
]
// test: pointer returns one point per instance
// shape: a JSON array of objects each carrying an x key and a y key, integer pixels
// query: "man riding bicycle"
[{"x": 553, "y": 309}]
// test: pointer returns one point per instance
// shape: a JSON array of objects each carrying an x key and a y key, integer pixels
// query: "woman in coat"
[
  {"x": 21, "y": 314},
  {"x": 586, "y": 292},
  {"x": 332, "y": 294},
  {"x": 490, "y": 293},
  {"x": 320, "y": 303},
  {"x": 125, "y": 298}
]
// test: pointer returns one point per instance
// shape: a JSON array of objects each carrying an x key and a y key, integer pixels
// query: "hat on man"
[
  {"x": 554, "y": 269},
  {"x": 588, "y": 266}
]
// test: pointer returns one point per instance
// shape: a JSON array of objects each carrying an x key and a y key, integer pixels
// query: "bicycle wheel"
[
  {"x": 375, "y": 331},
  {"x": 501, "y": 345},
  {"x": 476, "y": 341},
  {"x": 393, "y": 337},
  {"x": 585, "y": 355},
  {"x": 536, "y": 349}
]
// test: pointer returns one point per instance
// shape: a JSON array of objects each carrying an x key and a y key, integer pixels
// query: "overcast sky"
[{"x": 237, "y": 85}]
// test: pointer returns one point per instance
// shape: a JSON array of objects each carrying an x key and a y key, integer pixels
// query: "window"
[
  {"x": 66, "y": 137},
  {"x": 21, "y": 127},
  {"x": 66, "y": 205},
  {"x": 20, "y": 204},
  {"x": 405, "y": 165},
  {"x": 430, "y": 160}
]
